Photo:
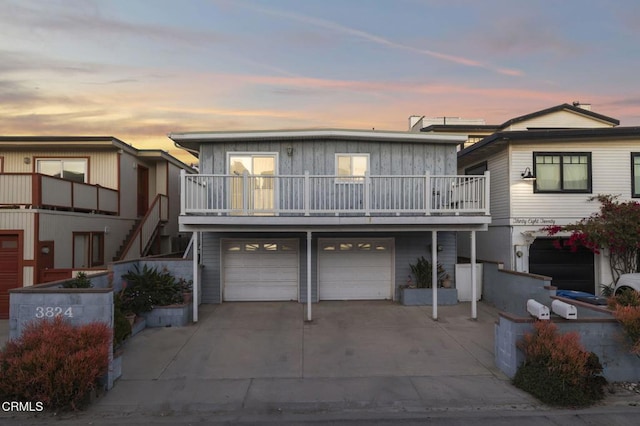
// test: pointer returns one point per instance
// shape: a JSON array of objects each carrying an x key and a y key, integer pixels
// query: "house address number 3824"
[{"x": 53, "y": 311}]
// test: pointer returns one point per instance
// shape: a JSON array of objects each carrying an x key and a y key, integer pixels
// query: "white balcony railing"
[
  {"x": 40, "y": 191},
  {"x": 328, "y": 195}
]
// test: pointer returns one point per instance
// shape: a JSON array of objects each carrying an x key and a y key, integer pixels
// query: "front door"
[
  {"x": 10, "y": 269},
  {"x": 143, "y": 190},
  {"x": 252, "y": 183}
]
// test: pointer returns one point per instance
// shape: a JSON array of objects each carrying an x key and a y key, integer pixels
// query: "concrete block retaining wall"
[
  {"x": 509, "y": 290},
  {"x": 603, "y": 336},
  {"x": 77, "y": 306}
]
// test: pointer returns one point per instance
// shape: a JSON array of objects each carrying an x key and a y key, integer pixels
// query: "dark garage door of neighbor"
[{"x": 569, "y": 270}]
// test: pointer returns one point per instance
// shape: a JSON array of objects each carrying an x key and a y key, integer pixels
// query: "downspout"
[
  {"x": 474, "y": 291},
  {"x": 434, "y": 273},
  {"x": 309, "y": 276},
  {"x": 196, "y": 278}
]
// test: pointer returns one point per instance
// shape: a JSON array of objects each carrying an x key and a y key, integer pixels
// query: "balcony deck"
[
  {"x": 325, "y": 200},
  {"x": 34, "y": 190}
]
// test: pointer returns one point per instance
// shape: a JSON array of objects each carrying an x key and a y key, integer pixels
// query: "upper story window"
[
  {"x": 562, "y": 171},
  {"x": 477, "y": 169},
  {"x": 74, "y": 169},
  {"x": 635, "y": 174},
  {"x": 350, "y": 165}
]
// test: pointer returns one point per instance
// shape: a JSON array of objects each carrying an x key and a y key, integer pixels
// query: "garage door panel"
[
  {"x": 568, "y": 270},
  {"x": 354, "y": 274},
  {"x": 260, "y": 270}
]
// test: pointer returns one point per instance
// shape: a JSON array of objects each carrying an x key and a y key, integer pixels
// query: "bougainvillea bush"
[
  {"x": 557, "y": 369},
  {"x": 55, "y": 363},
  {"x": 616, "y": 227}
]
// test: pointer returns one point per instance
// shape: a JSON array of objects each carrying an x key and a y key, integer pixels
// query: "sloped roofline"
[
  {"x": 551, "y": 135},
  {"x": 557, "y": 108}
]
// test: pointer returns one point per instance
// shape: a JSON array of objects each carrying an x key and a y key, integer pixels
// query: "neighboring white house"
[
  {"x": 573, "y": 154},
  {"x": 309, "y": 215},
  {"x": 80, "y": 202}
]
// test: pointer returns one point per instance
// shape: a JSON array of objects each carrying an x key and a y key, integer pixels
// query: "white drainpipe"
[{"x": 308, "y": 275}]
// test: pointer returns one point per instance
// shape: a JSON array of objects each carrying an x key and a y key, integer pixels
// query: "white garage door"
[
  {"x": 355, "y": 269},
  {"x": 260, "y": 270}
]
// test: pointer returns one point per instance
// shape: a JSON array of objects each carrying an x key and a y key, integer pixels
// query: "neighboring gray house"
[{"x": 310, "y": 215}]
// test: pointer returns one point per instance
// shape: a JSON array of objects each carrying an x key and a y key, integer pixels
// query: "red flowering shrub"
[
  {"x": 54, "y": 363},
  {"x": 557, "y": 369},
  {"x": 615, "y": 227},
  {"x": 626, "y": 309}
]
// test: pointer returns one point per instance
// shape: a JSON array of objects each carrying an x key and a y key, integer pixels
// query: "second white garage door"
[
  {"x": 355, "y": 269},
  {"x": 259, "y": 270}
]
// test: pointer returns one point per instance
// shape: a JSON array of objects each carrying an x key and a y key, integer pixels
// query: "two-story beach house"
[
  {"x": 544, "y": 167},
  {"x": 77, "y": 203},
  {"x": 311, "y": 215}
]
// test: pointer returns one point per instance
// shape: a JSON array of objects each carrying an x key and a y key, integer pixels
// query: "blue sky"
[{"x": 139, "y": 69}]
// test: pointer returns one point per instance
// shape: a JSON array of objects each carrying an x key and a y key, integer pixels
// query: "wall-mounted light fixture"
[
  {"x": 44, "y": 250},
  {"x": 289, "y": 151},
  {"x": 26, "y": 160},
  {"x": 527, "y": 175}
]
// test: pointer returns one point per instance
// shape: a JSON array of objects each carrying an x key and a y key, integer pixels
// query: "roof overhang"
[{"x": 192, "y": 140}]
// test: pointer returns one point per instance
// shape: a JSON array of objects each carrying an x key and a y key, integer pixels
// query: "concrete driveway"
[{"x": 263, "y": 356}]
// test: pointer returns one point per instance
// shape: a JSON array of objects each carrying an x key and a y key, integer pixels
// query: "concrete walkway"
[{"x": 257, "y": 357}]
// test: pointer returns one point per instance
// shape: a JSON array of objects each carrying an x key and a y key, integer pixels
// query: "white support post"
[
  {"x": 367, "y": 192},
  {"x": 307, "y": 193},
  {"x": 434, "y": 272},
  {"x": 183, "y": 186},
  {"x": 245, "y": 193},
  {"x": 474, "y": 290},
  {"x": 196, "y": 278},
  {"x": 428, "y": 194},
  {"x": 309, "y": 276},
  {"x": 487, "y": 193}
]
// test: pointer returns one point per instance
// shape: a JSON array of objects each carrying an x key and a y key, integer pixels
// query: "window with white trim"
[
  {"x": 635, "y": 174},
  {"x": 351, "y": 167},
  {"x": 562, "y": 172},
  {"x": 74, "y": 169}
]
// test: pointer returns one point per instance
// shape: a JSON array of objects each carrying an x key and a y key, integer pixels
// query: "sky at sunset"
[{"x": 139, "y": 69}]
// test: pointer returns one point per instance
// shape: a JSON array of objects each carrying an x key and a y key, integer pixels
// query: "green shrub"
[
  {"x": 422, "y": 272},
  {"x": 80, "y": 281},
  {"x": 557, "y": 369},
  {"x": 121, "y": 325},
  {"x": 55, "y": 363},
  {"x": 149, "y": 287}
]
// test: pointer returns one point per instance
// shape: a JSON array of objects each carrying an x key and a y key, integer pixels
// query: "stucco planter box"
[
  {"x": 169, "y": 316},
  {"x": 424, "y": 296}
]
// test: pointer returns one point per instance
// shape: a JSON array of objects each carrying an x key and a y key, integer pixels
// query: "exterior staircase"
[{"x": 144, "y": 231}]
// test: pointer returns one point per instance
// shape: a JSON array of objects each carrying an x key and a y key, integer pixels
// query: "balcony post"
[
  {"x": 434, "y": 273},
  {"x": 428, "y": 194},
  {"x": 183, "y": 187},
  {"x": 474, "y": 290},
  {"x": 307, "y": 193},
  {"x": 487, "y": 193},
  {"x": 245, "y": 192},
  {"x": 367, "y": 193}
]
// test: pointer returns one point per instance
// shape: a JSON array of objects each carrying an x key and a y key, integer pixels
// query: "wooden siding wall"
[
  {"x": 611, "y": 174},
  {"x": 60, "y": 226},
  {"x": 129, "y": 190},
  {"x": 102, "y": 165},
  {"x": 559, "y": 119},
  {"x": 173, "y": 191},
  {"x": 494, "y": 245},
  {"x": 210, "y": 259},
  {"x": 318, "y": 157}
]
